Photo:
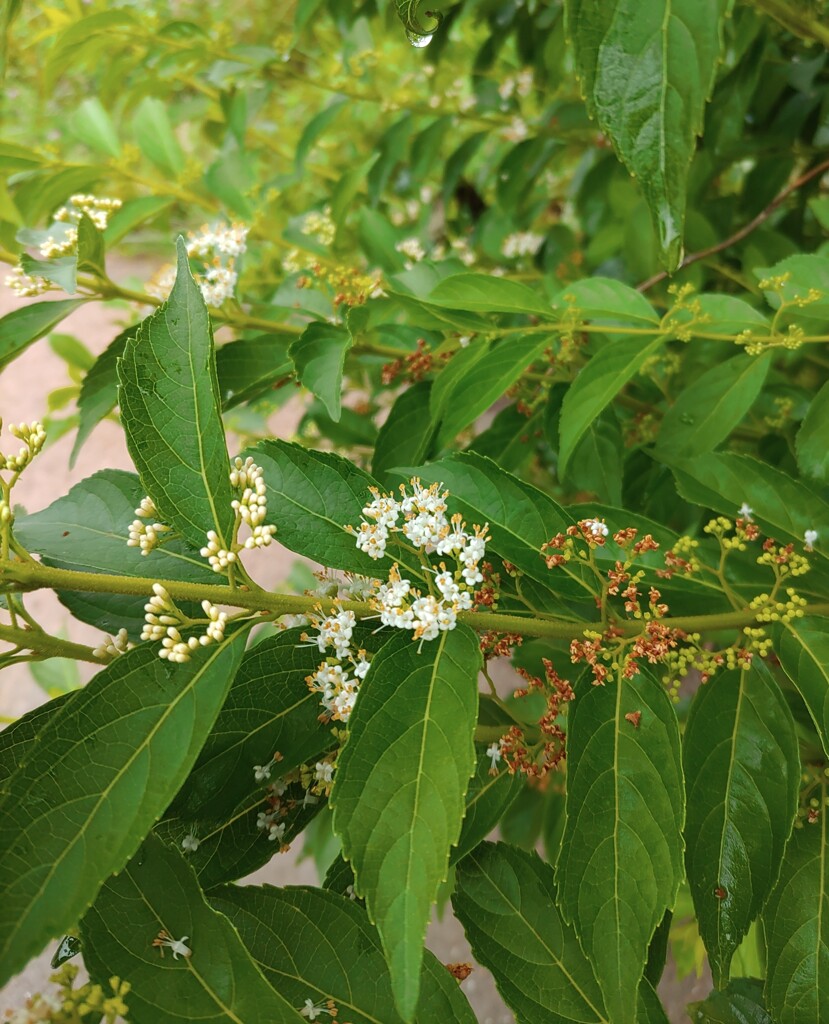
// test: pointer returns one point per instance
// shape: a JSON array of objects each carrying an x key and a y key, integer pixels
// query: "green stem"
[
  {"x": 42, "y": 643},
  {"x": 35, "y": 576}
]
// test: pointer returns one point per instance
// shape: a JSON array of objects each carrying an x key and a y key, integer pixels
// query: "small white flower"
[
  {"x": 493, "y": 752},
  {"x": 178, "y": 946},
  {"x": 262, "y": 771},
  {"x": 190, "y": 843},
  {"x": 596, "y": 527},
  {"x": 521, "y": 243},
  {"x": 745, "y": 511},
  {"x": 323, "y": 771},
  {"x": 412, "y": 248},
  {"x": 810, "y": 538}
]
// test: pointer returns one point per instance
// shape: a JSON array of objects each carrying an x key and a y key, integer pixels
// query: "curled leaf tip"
[{"x": 416, "y": 30}]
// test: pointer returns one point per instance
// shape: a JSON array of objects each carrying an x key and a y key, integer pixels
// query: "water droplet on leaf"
[{"x": 418, "y": 40}]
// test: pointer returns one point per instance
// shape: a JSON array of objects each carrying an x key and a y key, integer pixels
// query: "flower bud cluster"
[
  {"x": 220, "y": 558},
  {"x": 33, "y": 437},
  {"x": 163, "y": 621},
  {"x": 252, "y": 507},
  {"x": 26, "y": 285},
  {"x": 111, "y": 647},
  {"x": 145, "y": 535}
]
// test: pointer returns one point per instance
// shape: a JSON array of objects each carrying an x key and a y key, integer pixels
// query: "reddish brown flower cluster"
[
  {"x": 589, "y": 651},
  {"x": 413, "y": 366},
  {"x": 487, "y": 595},
  {"x": 673, "y": 563},
  {"x": 747, "y": 530},
  {"x": 499, "y": 645},
  {"x": 536, "y": 762},
  {"x": 653, "y": 644},
  {"x": 556, "y": 544}
]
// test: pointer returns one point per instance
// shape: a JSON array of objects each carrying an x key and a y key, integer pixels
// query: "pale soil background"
[{"x": 24, "y": 388}]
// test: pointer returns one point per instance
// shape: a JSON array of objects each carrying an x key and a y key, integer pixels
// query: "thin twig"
[{"x": 738, "y": 236}]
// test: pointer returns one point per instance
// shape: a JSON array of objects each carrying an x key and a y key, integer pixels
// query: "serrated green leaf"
[
  {"x": 155, "y": 137},
  {"x": 796, "y": 925},
  {"x": 487, "y": 799},
  {"x": 605, "y": 300},
  {"x": 485, "y": 294},
  {"x": 706, "y": 412},
  {"x": 249, "y": 368},
  {"x": 802, "y": 646},
  {"x": 17, "y": 739},
  {"x": 312, "y": 497},
  {"x": 406, "y": 436},
  {"x": 596, "y": 385},
  {"x": 218, "y": 983},
  {"x": 313, "y": 944},
  {"x": 99, "y": 389},
  {"x": 742, "y": 772},
  {"x": 169, "y": 398},
  {"x": 21, "y": 327},
  {"x": 726, "y": 314},
  {"x": 269, "y": 708},
  {"x": 487, "y": 381},
  {"x": 740, "y": 1003},
  {"x": 597, "y": 463},
  {"x": 506, "y": 901},
  {"x": 87, "y": 530},
  {"x": 646, "y": 71},
  {"x": 97, "y": 777},
  {"x": 319, "y": 357},
  {"x": 510, "y": 440},
  {"x": 452, "y": 375},
  {"x": 723, "y": 481},
  {"x": 811, "y": 443},
  {"x": 621, "y": 857},
  {"x": 398, "y": 795}
]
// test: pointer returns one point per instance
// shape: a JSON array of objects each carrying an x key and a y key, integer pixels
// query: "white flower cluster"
[
  {"x": 33, "y": 437},
  {"x": 162, "y": 620},
  {"x": 412, "y": 248},
  {"x": 110, "y": 647},
  {"x": 521, "y": 243},
  {"x": 421, "y": 518},
  {"x": 146, "y": 535},
  {"x": 337, "y": 679},
  {"x": 98, "y": 210},
  {"x": 26, "y": 285},
  {"x": 217, "y": 248}
]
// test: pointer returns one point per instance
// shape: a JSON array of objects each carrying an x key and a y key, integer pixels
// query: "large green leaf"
[
  {"x": 802, "y": 646},
  {"x": 742, "y": 774},
  {"x": 99, "y": 390},
  {"x": 399, "y": 791},
  {"x": 87, "y": 530},
  {"x": 155, "y": 135},
  {"x": 706, "y": 412},
  {"x": 487, "y": 381},
  {"x": 17, "y": 739},
  {"x": 21, "y": 327},
  {"x": 483, "y": 293},
  {"x": 319, "y": 356},
  {"x": 621, "y": 856},
  {"x": 796, "y": 923},
  {"x": 811, "y": 443},
  {"x": 646, "y": 70},
  {"x": 723, "y": 481},
  {"x": 506, "y": 901},
  {"x": 740, "y": 1003},
  {"x": 488, "y": 797},
  {"x": 218, "y": 983},
  {"x": 97, "y": 777},
  {"x": 169, "y": 399},
  {"x": 269, "y": 708},
  {"x": 596, "y": 386},
  {"x": 406, "y": 436},
  {"x": 313, "y": 944},
  {"x": 312, "y": 497},
  {"x": 249, "y": 368},
  {"x": 605, "y": 299}
]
